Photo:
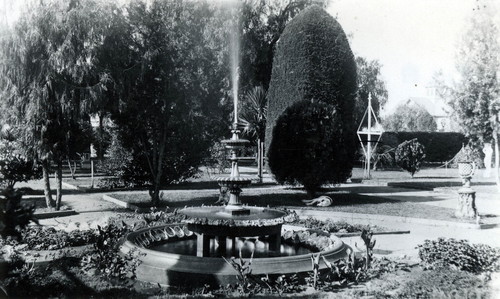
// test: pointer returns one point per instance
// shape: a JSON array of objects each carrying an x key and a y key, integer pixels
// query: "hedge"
[
  {"x": 439, "y": 146},
  {"x": 313, "y": 61}
]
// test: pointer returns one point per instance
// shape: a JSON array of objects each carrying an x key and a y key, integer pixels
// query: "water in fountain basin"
[{"x": 247, "y": 245}]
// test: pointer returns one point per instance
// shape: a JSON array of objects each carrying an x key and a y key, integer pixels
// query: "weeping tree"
[{"x": 48, "y": 78}]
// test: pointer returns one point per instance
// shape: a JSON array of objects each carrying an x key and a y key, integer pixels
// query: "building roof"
[{"x": 435, "y": 106}]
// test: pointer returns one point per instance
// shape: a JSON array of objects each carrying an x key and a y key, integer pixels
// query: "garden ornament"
[{"x": 322, "y": 201}]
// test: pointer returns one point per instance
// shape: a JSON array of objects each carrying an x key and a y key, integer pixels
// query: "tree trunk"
[
  {"x": 59, "y": 185},
  {"x": 72, "y": 170},
  {"x": 46, "y": 184},
  {"x": 100, "y": 154},
  {"x": 497, "y": 161},
  {"x": 259, "y": 160},
  {"x": 154, "y": 193}
]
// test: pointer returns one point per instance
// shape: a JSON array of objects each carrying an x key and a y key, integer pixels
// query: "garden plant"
[{"x": 410, "y": 155}]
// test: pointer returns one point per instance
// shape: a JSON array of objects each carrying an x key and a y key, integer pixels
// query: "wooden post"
[{"x": 369, "y": 147}]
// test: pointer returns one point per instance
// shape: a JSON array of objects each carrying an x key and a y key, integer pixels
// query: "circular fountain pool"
[{"x": 168, "y": 256}]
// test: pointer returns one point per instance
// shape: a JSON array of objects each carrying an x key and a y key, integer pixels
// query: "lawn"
[{"x": 291, "y": 198}]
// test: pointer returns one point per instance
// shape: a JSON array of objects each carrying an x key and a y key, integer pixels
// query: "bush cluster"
[
  {"x": 410, "y": 155},
  {"x": 14, "y": 216},
  {"x": 332, "y": 226},
  {"x": 474, "y": 258},
  {"x": 48, "y": 238}
]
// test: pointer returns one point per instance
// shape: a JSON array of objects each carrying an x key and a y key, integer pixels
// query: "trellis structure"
[{"x": 373, "y": 133}]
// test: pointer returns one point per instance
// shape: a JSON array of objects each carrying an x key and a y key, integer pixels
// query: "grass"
[{"x": 292, "y": 198}]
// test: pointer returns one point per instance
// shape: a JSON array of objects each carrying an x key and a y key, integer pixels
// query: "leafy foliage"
[
  {"x": 14, "y": 217},
  {"x": 333, "y": 226},
  {"x": 474, "y": 98},
  {"x": 314, "y": 62},
  {"x": 48, "y": 238},
  {"x": 369, "y": 82},
  {"x": 167, "y": 95},
  {"x": 409, "y": 155},
  {"x": 119, "y": 162},
  {"x": 461, "y": 254},
  {"x": 262, "y": 24},
  {"x": 254, "y": 113},
  {"x": 218, "y": 161},
  {"x": 410, "y": 118},
  {"x": 49, "y": 79},
  {"x": 106, "y": 259},
  {"x": 309, "y": 147},
  {"x": 15, "y": 167}
]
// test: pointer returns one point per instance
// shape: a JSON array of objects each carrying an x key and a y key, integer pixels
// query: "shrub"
[
  {"x": 313, "y": 61},
  {"x": 310, "y": 148},
  {"x": 14, "y": 167},
  {"x": 218, "y": 161},
  {"x": 474, "y": 258},
  {"x": 106, "y": 259},
  {"x": 48, "y": 238},
  {"x": 409, "y": 155},
  {"x": 14, "y": 217},
  {"x": 119, "y": 162}
]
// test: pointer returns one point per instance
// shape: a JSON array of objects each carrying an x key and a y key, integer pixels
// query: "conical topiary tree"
[
  {"x": 314, "y": 64},
  {"x": 313, "y": 60}
]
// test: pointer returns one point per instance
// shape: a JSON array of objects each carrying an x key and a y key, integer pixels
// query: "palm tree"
[{"x": 253, "y": 121}]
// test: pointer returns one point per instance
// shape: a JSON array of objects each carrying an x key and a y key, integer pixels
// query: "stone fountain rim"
[
  {"x": 286, "y": 217},
  {"x": 130, "y": 244}
]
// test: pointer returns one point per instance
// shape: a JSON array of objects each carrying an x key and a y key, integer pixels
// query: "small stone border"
[
  {"x": 122, "y": 203},
  {"x": 324, "y": 215},
  {"x": 54, "y": 214},
  {"x": 44, "y": 257}
]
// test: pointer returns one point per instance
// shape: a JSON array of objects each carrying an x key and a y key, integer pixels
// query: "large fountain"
[{"x": 193, "y": 252}]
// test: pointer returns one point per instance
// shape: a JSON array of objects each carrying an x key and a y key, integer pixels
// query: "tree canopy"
[
  {"x": 369, "y": 82},
  {"x": 409, "y": 118}
]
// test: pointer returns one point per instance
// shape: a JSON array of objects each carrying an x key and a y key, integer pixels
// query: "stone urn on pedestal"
[{"x": 466, "y": 195}]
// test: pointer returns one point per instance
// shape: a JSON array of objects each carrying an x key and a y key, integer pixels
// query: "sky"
[{"x": 411, "y": 39}]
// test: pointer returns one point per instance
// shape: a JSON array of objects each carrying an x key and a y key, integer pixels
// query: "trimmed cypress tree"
[
  {"x": 313, "y": 60},
  {"x": 315, "y": 65},
  {"x": 308, "y": 148}
]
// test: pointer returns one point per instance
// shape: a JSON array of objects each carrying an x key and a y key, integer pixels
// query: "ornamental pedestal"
[
  {"x": 466, "y": 207},
  {"x": 466, "y": 203}
]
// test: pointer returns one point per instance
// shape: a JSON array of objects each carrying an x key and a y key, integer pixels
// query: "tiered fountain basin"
[{"x": 168, "y": 254}]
